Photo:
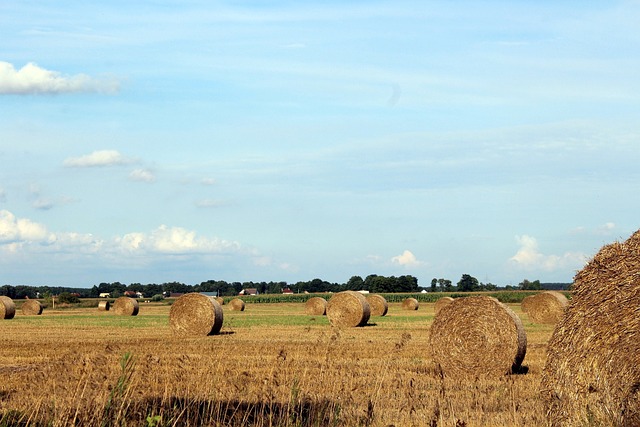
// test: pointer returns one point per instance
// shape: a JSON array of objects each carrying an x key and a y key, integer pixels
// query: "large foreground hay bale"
[
  {"x": 410, "y": 304},
  {"x": 378, "y": 304},
  {"x": 348, "y": 309},
  {"x": 195, "y": 314},
  {"x": 592, "y": 373},
  {"x": 104, "y": 306},
  {"x": 477, "y": 337},
  {"x": 442, "y": 303},
  {"x": 316, "y": 306},
  {"x": 546, "y": 307},
  {"x": 125, "y": 306},
  {"x": 7, "y": 308},
  {"x": 236, "y": 304},
  {"x": 32, "y": 307}
]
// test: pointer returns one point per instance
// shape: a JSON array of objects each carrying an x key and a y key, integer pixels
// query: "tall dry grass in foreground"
[{"x": 271, "y": 365}]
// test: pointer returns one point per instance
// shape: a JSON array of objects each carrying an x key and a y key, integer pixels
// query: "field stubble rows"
[{"x": 272, "y": 365}]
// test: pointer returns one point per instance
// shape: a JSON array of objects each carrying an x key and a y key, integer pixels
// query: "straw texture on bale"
[
  {"x": 526, "y": 303},
  {"x": 195, "y": 314},
  {"x": 32, "y": 307},
  {"x": 410, "y": 304},
  {"x": 477, "y": 337},
  {"x": 378, "y": 304},
  {"x": 104, "y": 306},
  {"x": 7, "y": 308},
  {"x": 592, "y": 373},
  {"x": 442, "y": 303},
  {"x": 348, "y": 309},
  {"x": 546, "y": 307},
  {"x": 316, "y": 306},
  {"x": 236, "y": 304},
  {"x": 125, "y": 306}
]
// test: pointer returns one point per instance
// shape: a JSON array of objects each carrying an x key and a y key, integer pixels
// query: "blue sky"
[{"x": 156, "y": 141}]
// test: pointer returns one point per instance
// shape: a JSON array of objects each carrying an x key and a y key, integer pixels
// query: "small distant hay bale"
[
  {"x": 378, "y": 304},
  {"x": 195, "y": 314},
  {"x": 526, "y": 303},
  {"x": 104, "y": 306},
  {"x": 348, "y": 309},
  {"x": 125, "y": 306},
  {"x": 477, "y": 337},
  {"x": 592, "y": 372},
  {"x": 547, "y": 307},
  {"x": 32, "y": 307},
  {"x": 220, "y": 300},
  {"x": 7, "y": 308},
  {"x": 442, "y": 303},
  {"x": 236, "y": 304},
  {"x": 410, "y": 304},
  {"x": 316, "y": 306}
]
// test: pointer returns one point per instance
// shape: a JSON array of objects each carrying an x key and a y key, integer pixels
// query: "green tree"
[
  {"x": 468, "y": 283},
  {"x": 526, "y": 285}
]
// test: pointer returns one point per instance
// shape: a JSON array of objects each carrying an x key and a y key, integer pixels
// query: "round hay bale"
[
  {"x": 442, "y": 303},
  {"x": 592, "y": 373},
  {"x": 526, "y": 303},
  {"x": 378, "y": 304},
  {"x": 104, "y": 306},
  {"x": 236, "y": 304},
  {"x": 316, "y": 306},
  {"x": 348, "y": 309},
  {"x": 125, "y": 306},
  {"x": 477, "y": 337},
  {"x": 32, "y": 307},
  {"x": 195, "y": 314},
  {"x": 7, "y": 308},
  {"x": 220, "y": 300},
  {"x": 410, "y": 304},
  {"x": 547, "y": 307}
]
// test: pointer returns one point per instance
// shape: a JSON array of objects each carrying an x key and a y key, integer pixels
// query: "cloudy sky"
[{"x": 164, "y": 140}]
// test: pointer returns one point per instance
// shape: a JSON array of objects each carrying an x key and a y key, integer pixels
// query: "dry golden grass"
[{"x": 270, "y": 366}]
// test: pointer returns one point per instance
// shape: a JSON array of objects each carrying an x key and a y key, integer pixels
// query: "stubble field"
[{"x": 272, "y": 365}]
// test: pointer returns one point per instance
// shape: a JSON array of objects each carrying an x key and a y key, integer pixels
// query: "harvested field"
[
  {"x": 270, "y": 366},
  {"x": 592, "y": 375}
]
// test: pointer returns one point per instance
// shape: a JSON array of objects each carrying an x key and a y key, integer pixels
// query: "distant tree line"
[{"x": 372, "y": 283}]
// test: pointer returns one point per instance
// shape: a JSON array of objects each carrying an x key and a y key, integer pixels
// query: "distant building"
[
  {"x": 287, "y": 291},
  {"x": 105, "y": 295},
  {"x": 248, "y": 291}
]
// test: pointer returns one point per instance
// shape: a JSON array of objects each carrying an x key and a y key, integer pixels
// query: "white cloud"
[
  {"x": 143, "y": 175},
  {"x": 406, "y": 259},
  {"x": 20, "y": 230},
  {"x": 208, "y": 181},
  {"x": 529, "y": 257},
  {"x": 32, "y": 79},
  {"x": 175, "y": 240},
  {"x": 98, "y": 159}
]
